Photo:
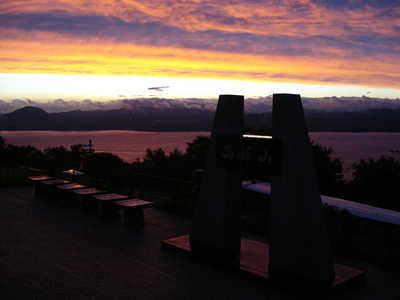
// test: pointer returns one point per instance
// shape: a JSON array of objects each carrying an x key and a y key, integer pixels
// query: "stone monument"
[
  {"x": 300, "y": 252},
  {"x": 215, "y": 231}
]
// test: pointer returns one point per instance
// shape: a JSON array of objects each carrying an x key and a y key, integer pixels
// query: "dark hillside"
[{"x": 30, "y": 118}]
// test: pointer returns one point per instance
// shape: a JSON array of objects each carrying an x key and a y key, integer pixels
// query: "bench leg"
[
  {"x": 39, "y": 189},
  {"x": 134, "y": 216},
  {"x": 69, "y": 199},
  {"x": 87, "y": 204},
  {"x": 108, "y": 210}
]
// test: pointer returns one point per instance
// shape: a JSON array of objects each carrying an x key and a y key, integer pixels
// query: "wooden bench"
[
  {"x": 66, "y": 192},
  {"x": 38, "y": 187},
  {"x": 132, "y": 210},
  {"x": 86, "y": 201},
  {"x": 106, "y": 204},
  {"x": 50, "y": 186}
]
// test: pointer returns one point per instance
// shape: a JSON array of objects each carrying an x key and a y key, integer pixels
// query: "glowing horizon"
[
  {"x": 44, "y": 87},
  {"x": 255, "y": 48}
]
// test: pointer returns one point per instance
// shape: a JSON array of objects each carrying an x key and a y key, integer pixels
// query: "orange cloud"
[
  {"x": 63, "y": 56},
  {"x": 299, "y": 41}
]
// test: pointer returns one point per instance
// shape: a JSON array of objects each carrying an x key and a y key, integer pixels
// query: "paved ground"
[{"x": 48, "y": 251}]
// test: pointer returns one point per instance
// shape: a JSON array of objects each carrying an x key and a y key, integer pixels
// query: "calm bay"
[{"x": 130, "y": 145}]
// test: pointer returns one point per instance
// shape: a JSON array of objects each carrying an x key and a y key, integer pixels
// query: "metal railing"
[{"x": 150, "y": 186}]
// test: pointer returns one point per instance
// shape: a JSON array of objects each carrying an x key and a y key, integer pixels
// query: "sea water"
[
  {"x": 132, "y": 145},
  {"x": 129, "y": 145}
]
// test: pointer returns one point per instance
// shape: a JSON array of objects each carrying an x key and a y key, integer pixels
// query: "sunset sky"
[{"x": 113, "y": 49}]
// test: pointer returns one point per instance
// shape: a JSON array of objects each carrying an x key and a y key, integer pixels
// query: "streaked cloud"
[{"x": 299, "y": 41}]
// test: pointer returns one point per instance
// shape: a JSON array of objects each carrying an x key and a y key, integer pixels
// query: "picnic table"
[
  {"x": 54, "y": 182},
  {"x": 40, "y": 178},
  {"x": 66, "y": 192},
  {"x": 51, "y": 185},
  {"x": 106, "y": 203},
  {"x": 37, "y": 185},
  {"x": 132, "y": 210},
  {"x": 86, "y": 201}
]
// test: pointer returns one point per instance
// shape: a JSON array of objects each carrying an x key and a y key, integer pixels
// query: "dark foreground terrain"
[{"x": 48, "y": 251}]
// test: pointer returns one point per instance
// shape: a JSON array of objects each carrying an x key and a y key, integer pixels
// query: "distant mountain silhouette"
[
  {"x": 28, "y": 112},
  {"x": 185, "y": 119},
  {"x": 147, "y": 119},
  {"x": 373, "y": 120},
  {"x": 28, "y": 118}
]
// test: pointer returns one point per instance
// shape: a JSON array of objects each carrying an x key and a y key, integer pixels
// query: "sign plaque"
[{"x": 248, "y": 151}]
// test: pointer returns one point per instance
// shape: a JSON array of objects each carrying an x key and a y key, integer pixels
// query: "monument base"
[
  {"x": 228, "y": 258},
  {"x": 254, "y": 261},
  {"x": 299, "y": 283}
]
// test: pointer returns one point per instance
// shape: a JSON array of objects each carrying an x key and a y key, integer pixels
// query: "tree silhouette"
[
  {"x": 197, "y": 151},
  {"x": 103, "y": 167},
  {"x": 329, "y": 170},
  {"x": 376, "y": 182}
]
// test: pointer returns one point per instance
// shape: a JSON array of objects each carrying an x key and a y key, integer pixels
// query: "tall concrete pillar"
[
  {"x": 215, "y": 231},
  {"x": 300, "y": 251}
]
